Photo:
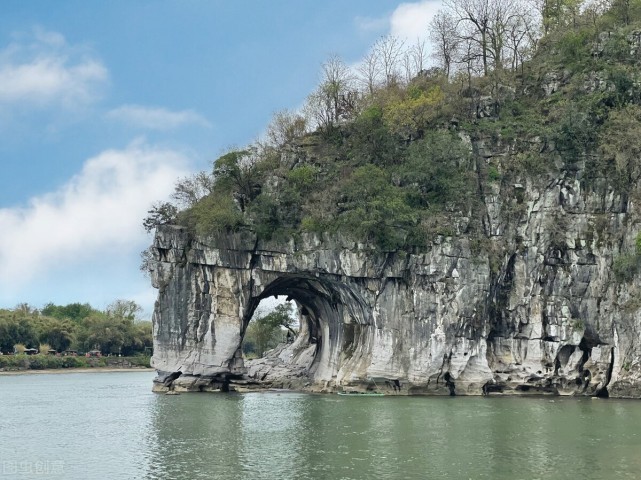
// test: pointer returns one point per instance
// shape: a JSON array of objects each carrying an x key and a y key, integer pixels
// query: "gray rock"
[{"x": 537, "y": 311}]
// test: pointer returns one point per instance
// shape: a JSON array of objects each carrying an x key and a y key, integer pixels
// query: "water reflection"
[
  {"x": 294, "y": 436},
  {"x": 112, "y": 426},
  {"x": 195, "y": 436}
]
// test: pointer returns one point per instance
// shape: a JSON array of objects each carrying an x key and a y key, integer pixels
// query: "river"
[{"x": 110, "y": 426}]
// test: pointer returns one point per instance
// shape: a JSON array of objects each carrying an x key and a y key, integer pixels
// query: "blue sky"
[{"x": 103, "y": 105}]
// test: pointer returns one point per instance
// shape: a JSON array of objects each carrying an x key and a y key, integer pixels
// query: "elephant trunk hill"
[
  {"x": 491, "y": 248},
  {"x": 544, "y": 315}
]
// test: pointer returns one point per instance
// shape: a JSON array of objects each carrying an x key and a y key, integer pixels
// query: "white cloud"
[
  {"x": 370, "y": 24},
  {"x": 95, "y": 215},
  {"x": 410, "y": 21},
  {"x": 41, "y": 69},
  {"x": 155, "y": 118}
]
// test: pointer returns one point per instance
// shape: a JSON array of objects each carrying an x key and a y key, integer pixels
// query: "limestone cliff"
[
  {"x": 536, "y": 308},
  {"x": 485, "y": 238}
]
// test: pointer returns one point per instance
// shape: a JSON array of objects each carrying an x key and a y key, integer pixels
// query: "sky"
[{"x": 105, "y": 105}]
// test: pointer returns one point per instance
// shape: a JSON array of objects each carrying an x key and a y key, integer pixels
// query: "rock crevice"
[{"x": 536, "y": 309}]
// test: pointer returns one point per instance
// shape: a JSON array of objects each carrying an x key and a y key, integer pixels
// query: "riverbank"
[
  {"x": 54, "y": 371},
  {"x": 23, "y": 363}
]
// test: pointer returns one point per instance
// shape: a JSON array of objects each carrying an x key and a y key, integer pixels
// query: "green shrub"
[
  {"x": 626, "y": 266},
  {"x": 574, "y": 47},
  {"x": 374, "y": 209},
  {"x": 493, "y": 174},
  {"x": 302, "y": 176},
  {"x": 213, "y": 214},
  {"x": 314, "y": 225},
  {"x": 436, "y": 171}
]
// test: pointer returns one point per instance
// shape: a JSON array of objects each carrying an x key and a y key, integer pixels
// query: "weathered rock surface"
[
  {"x": 536, "y": 309},
  {"x": 530, "y": 305}
]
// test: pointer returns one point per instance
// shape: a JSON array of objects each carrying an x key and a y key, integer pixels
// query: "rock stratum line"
[{"x": 542, "y": 316}]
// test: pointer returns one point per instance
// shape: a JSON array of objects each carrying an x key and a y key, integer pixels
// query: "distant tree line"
[
  {"x": 76, "y": 326},
  {"x": 265, "y": 332}
]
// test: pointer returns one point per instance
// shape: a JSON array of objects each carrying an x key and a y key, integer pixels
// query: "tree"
[
  {"x": 16, "y": 328},
  {"x": 146, "y": 261},
  {"x": 413, "y": 60},
  {"x": 410, "y": 115},
  {"x": 620, "y": 142},
  {"x": 444, "y": 39},
  {"x": 59, "y": 334},
  {"x": 522, "y": 38},
  {"x": 557, "y": 14},
  {"x": 72, "y": 311},
  {"x": 334, "y": 99},
  {"x": 124, "y": 309},
  {"x": 282, "y": 316},
  {"x": 389, "y": 50},
  {"x": 105, "y": 333},
  {"x": 369, "y": 71},
  {"x": 266, "y": 332},
  {"x": 485, "y": 24},
  {"x": 285, "y": 127},
  {"x": 418, "y": 53},
  {"x": 190, "y": 190},
  {"x": 161, "y": 213},
  {"x": 472, "y": 19},
  {"x": 435, "y": 171},
  {"x": 374, "y": 209},
  {"x": 139, "y": 337},
  {"x": 216, "y": 213},
  {"x": 238, "y": 171},
  {"x": 261, "y": 335}
]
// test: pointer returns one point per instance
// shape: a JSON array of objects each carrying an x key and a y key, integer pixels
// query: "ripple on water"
[{"x": 111, "y": 426}]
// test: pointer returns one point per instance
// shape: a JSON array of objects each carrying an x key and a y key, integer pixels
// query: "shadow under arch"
[{"x": 334, "y": 319}]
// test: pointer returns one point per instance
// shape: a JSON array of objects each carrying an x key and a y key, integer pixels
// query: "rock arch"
[
  {"x": 336, "y": 322},
  {"x": 437, "y": 322},
  {"x": 208, "y": 295}
]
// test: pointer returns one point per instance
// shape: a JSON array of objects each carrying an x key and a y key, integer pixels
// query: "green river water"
[{"x": 110, "y": 426}]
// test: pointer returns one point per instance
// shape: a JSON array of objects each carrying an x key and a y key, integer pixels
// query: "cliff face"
[{"x": 532, "y": 307}]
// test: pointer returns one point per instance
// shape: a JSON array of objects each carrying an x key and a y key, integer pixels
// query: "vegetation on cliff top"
[{"x": 382, "y": 153}]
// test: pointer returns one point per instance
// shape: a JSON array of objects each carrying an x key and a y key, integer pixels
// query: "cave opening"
[
  {"x": 306, "y": 301},
  {"x": 274, "y": 323},
  {"x": 327, "y": 314}
]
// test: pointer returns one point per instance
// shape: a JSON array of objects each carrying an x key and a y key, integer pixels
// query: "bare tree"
[
  {"x": 471, "y": 58},
  {"x": 413, "y": 59},
  {"x": 418, "y": 53},
  {"x": 284, "y": 127},
  {"x": 472, "y": 19},
  {"x": 522, "y": 37},
  {"x": 503, "y": 14},
  {"x": 389, "y": 50},
  {"x": 408, "y": 68},
  {"x": 334, "y": 97},
  {"x": 369, "y": 71},
  {"x": 189, "y": 190},
  {"x": 488, "y": 24},
  {"x": 445, "y": 39}
]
